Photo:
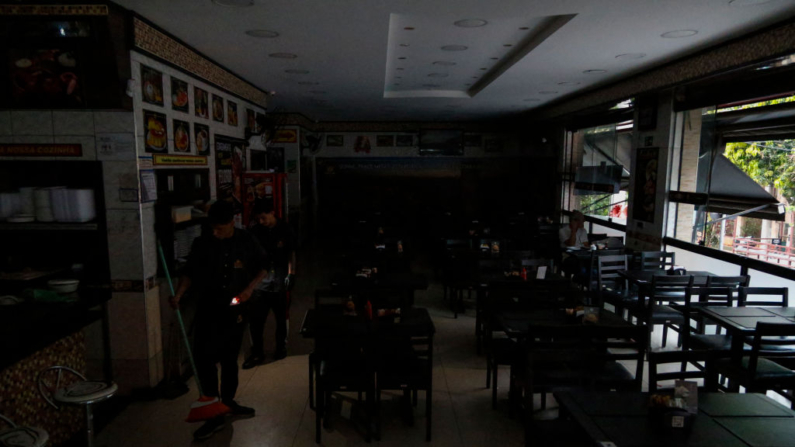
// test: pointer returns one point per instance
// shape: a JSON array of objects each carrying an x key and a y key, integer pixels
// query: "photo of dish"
[
  {"x": 218, "y": 108},
  {"x": 156, "y": 131},
  {"x": 151, "y": 85},
  {"x": 45, "y": 78},
  {"x": 231, "y": 113},
  {"x": 181, "y": 136},
  {"x": 202, "y": 138},
  {"x": 179, "y": 95},
  {"x": 201, "y": 101}
]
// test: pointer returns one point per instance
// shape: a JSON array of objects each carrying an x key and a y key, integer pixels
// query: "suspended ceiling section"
[{"x": 337, "y": 60}]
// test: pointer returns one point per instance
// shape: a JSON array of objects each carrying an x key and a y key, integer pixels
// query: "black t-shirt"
[
  {"x": 278, "y": 243},
  {"x": 220, "y": 269}
]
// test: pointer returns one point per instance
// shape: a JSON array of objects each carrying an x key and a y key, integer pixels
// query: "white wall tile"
[
  {"x": 149, "y": 241},
  {"x": 110, "y": 122},
  {"x": 5, "y": 123},
  {"x": 128, "y": 333},
  {"x": 124, "y": 244},
  {"x": 73, "y": 123},
  {"x": 33, "y": 139},
  {"x": 31, "y": 123},
  {"x": 119, "y": 175}
]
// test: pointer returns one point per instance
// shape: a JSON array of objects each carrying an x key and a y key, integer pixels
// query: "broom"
[{"x": 206, "y": 407}]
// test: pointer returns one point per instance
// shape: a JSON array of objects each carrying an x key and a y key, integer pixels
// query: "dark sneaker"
[
  {"x": 253, "y": 360},
  {"x": 280, "y": 354},
  {"x": 239, "y": 410},
  {"x": 209, "y": 428}
]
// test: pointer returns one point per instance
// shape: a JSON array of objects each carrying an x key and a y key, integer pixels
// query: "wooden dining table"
[
  {"x": 725, "y": 420},
  {"x": 642, "y": 277},
  {"x": 740, "y": 322}
]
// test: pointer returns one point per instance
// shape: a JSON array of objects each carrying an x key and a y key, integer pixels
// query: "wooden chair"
[
  {"x": 764, "y": 296},
  {"x": 611, "y": 286},
  {"x": 613, "y": 347},
  {"x": 653, "y": 310},
  {"x": 759, "y": 371},
  {"x": 408, "y": 367},
  {"x": 656, "y": 260},
  {"x": 680, "y": 358}
]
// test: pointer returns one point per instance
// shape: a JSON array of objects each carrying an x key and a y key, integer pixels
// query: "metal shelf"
[{"x": 48, "y": 226}]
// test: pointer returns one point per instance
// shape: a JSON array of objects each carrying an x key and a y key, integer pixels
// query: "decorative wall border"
[
  {"x": 744, "y": 51},
  {"x": 154, "y": 42},
  {"x": 54, "y": 10}
]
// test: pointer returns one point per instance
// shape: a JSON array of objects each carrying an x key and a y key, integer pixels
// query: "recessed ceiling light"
[
  {"x": 399, "y": 69},
  {"x": 548, "y": 92},
  {"x": 283, "y": 55},
  {"x": 297, "y": 72},
  {"x": 318, "y": 92},
  {"x": 508, "y": 45},
  {"x": 409, "y": 28},
  {"x": 308, "y": 83},
  {"x": 262, "y": 33},
  {"x": 495, "y": 58},
  {"x": 568, "y": 83},
  {"x": 595, "y": 71},
  {"x": 470, "y": 23},
  {"x": 444, "y": 63},
  {"x": 678, "y": 34},
  {"x": 235, "y": 3},
  {"x": 404, "y": 45},
  {"x": 627, "y": 56},
  {"x": 455, "y": 48},
  {"x": 483, "y": 68},
  {"x": 438, "y": 75},
  {"x": 431, "y": 85},
  {"x": 532, "y": 100},
  {"x": 747, "y": 2},
  {"x": 402, "y": 58},
  {"x": 524, "y": 28},
  {"x": 474, "y": 77},
  {"x": 398, "y": 77}
]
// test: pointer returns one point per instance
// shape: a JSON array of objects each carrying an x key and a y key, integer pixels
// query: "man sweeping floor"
[{"x": 223, "y": 269}]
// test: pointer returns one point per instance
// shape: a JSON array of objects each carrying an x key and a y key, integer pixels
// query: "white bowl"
[{"x": 63, "y": 285}]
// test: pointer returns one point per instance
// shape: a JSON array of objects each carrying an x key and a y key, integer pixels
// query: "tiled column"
[{"x": 691, "y": 142}]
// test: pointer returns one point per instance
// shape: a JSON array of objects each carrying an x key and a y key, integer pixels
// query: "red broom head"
[{"x": 206, "y": 408}]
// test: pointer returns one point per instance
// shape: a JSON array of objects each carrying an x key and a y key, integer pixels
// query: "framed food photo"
[
  {"x": 231, "y": 113},
  {"x": 201, "y": 136},
  {"x": 45, "y": 78},
  {"x": 179, "y": 95},
  {"x": 181, "y": 136},
  {"x": 201, "y": 101},
  {"x": 218, "y": 108},
  {"x": 151, "y": 86},
  {"x": 155, "y": 132}
]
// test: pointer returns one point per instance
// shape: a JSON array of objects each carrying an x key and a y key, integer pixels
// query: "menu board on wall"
[
  {"x": 229, "y": 162},
  {"x": 645, "y": 194}
]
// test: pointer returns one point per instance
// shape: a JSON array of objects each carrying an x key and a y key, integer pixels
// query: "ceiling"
[{"x": 362, "y": 61}]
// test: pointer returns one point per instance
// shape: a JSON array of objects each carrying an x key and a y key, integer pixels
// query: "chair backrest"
[
  {"x": 619, "y": 344},
  {"x": 715, "y": 296},
  {"x": 607, "y": 268},
  {"x": 732, "y": 281},
  {"x": 678, "y": 358},
  {"x": 671, "y": 288},
  {"x": 771, "y": 340},
  {"x": 764, "y": 296},
  {"x": 656, "y": 260}
]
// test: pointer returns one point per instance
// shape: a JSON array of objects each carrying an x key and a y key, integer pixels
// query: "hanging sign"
[
  {"x": 180, "y": 160},
  {"x": 41, "y": 150}
]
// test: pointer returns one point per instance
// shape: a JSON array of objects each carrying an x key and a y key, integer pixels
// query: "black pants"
[
  {"x": 261, "y": 304},
  {"x": 217, "y": 339}
]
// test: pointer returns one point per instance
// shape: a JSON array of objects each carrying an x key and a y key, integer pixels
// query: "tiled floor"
[{"x": 462, "y": 413}]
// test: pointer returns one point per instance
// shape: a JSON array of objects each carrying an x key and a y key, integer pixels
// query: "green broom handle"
[{"x": 179, "y": 318}]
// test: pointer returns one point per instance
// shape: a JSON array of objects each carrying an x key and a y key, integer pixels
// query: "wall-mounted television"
[{"x": 441, "y": 142}]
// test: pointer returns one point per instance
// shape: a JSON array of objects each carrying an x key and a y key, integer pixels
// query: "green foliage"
[
  {"x": 587, "y": 205},
  {"x": 751, "y": 227},
  {"x": 769, "y": 163}
]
